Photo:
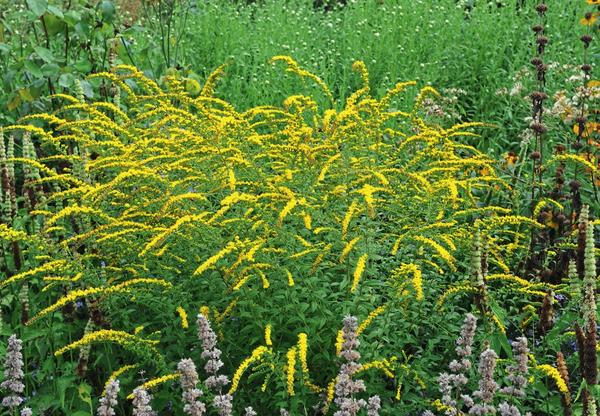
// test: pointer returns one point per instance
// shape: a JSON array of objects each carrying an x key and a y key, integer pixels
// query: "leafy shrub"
[{"x": 146, "y": 208}]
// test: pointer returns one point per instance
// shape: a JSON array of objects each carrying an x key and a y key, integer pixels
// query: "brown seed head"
[
  {"x": 586, "y": 39},
  {"x": 574, "y": 185},
  {"x": 541, "y": 8},
  {"x": 538, "y": 128}
]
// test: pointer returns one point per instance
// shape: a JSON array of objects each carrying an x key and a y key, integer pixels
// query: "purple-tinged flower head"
[
  {"x": 109, "y": 400},
  {"x": 212, "y": 354},
  {"x": 26, "y": 411},
  {"x": 464, "y": 343},
  {"x": 346, "y": 387},
  {"x": 13, "y": 374},
  {"x": 517, "y": 373},
  {"x": 373, "y": 406},
  {"x": 224, "y": 404},
  {"x": 487, "y": 385},
  {"x": 141, "y": 403},
  {"x": 506, "y": 409},
  {"x": 189, "y": 380}
]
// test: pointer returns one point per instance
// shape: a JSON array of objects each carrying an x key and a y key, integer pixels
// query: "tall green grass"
[{"x": 433, "y": 42}]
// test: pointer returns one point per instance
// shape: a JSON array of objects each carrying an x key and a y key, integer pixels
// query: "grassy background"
[{"x": 432, "y": 42}]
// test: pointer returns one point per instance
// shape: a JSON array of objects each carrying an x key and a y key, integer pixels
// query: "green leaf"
[
  {"x": 84, "y": 390},
  {"x": 34, "y": 69},
  {"x": 44, "y": 53},
  {"x": 63, "y": 384},
  {"x": 72, "y": 17},
  {"x": 25, "y": 94},
  {"x": 84, "y": 65},
  {"x": 54, "y": 24},
  {"x": 66, "y": 80},
  {"x": 107, "y": 8},
  {"x": 56, "y": 11},
  {"x": 50, "y": 70},
  {"x": 38, "y": 7}
]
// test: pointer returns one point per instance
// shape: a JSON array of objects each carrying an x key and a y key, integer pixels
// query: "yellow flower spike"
[
  {"x": 417, "y": 280},
  {"x": 307, "y": 220},
  {"x": 364, "y": 324},
  {"x": 48, "y": 267},
  {"x": 150, "y": 384},
  {"x": 358, "y": 271},
  {"x": 208, "y": 89},
  {"x": 497, "y": 322},
  {"x": 339, "y": 341},
  {"x": 215, "y": 258},
  {"x": 382, "y": 365},
  {"x": 205, "y": 311},
  {"x": 361, "y": 68},
  {"x": 348, "y": 217},
  {"x": 107, "y": 335},
  {"x": 398, "y": 88},
  {"x": 441, "y": 251},
  {"x": 295, "y": 68},
  {"x": 290, "y": 278},
  {"x": 73, "y": 295},
  {"x": 349, "y": 246},
  {"x": 256, "y": 354},
  {"x": 303, "y": 351},
  {"x": 553, "y": 373},
  {"x": 184, "y": 318},
  {"x": 327, "y": 165},
  {"x": 291, "y": 369},
  {"x": 268, "y": 340},
  {"x": 289, "y": 206}
]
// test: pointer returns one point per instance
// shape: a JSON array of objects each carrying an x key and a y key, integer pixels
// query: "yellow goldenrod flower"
[
  {"x": 364, "y": 324},
  {"x": 150, "y": 384},
  {"x": 349, "y": 245},
  {"x": 383, "y": 365},
  {"x": 215, "y": 258},
  {"x": 339, "y": 341},
  {"x": 205, "y": 311},
  {"x": 289, "y": 206},
  {"x": 290, "y": 278},
  {"x": 553, "y": 373},
  {"x": 268, "y": 341},
  {"x": 348, "y": 218},
  {"x": 441, "y": 251},
  {"x": 104, "y": 335},
  {"x": 183, "y": 315},
  {"x": 302, "y": 352},
  {"x": 256, "y": 354},
  {"x": 358, "y": 271},
  {"x": 291, "y": 368},
  {"x": 73, "y": 295}
]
